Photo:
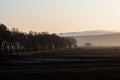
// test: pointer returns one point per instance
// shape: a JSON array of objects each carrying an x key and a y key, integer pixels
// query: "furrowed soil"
[{"x": 71, "y": 64}]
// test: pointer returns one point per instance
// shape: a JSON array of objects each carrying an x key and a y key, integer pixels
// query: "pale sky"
[{"x": 61, "y": 15}]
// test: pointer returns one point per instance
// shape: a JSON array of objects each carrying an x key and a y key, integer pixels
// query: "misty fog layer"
[{"x": 99, "y": 40}]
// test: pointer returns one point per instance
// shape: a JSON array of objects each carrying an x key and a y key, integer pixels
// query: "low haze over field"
[
  {"x": 61, "y": 15},
  {"x": 95, "y": 38}
]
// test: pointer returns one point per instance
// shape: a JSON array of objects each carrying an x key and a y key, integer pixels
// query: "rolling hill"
[
  {"x": 86, "y": 33},
  {"x": 96, "y": 37}
]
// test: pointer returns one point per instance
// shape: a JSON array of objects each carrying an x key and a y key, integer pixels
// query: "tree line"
[{"x": 13, "y": 41}]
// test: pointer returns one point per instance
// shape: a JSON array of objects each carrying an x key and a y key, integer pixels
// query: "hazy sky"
[{"x": 61, "y": 15}]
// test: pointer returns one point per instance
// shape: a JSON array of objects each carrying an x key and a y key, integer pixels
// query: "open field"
[
  {"x": 85, "y": 52},
  {"x": 74, "y": 64}
]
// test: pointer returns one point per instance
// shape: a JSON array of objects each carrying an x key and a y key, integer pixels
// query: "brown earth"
[{"x": 72, "y": 64}]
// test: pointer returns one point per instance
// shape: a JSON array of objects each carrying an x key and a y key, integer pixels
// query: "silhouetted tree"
[
  {"x": 88, "y": 44},
  {"x": 4, "y": 38},
  {"x": 13, "y": 41}
]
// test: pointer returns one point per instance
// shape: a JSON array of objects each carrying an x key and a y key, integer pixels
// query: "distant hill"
[
  {"x": 85, "y": 33},
  {"x": 99, "y": 40},
  {"x": 96, "y": 37}
]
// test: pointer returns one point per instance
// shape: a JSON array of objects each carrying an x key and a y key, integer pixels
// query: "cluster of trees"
[{"x": 13, "y": 41}]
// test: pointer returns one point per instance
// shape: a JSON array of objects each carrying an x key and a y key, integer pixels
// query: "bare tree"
[{"x": 17, "y": 42}]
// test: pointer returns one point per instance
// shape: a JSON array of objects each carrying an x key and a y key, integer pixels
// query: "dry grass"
[{"x": 107, "y": 52}]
